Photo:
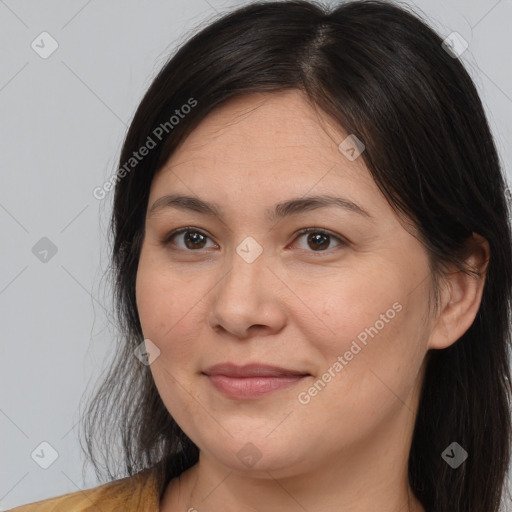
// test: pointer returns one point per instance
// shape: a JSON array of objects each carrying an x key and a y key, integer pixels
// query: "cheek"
[
  {"x": 172, "y": 313},
  {"x": 359, "y": 307},
  {"x": 373, "y": 342},
  {"x": 168, "y": 318}
]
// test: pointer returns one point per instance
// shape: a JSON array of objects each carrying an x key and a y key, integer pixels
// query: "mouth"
[{"x": 252, "y": 380}]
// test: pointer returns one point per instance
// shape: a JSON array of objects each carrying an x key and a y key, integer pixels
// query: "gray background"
[{"x": 62, "y": 123}]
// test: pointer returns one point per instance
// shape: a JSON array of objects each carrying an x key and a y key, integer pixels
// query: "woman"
[{"x": 311, "y": 236}]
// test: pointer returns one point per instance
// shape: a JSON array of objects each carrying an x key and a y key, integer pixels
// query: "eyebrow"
[{"x": 291, "y": 207}]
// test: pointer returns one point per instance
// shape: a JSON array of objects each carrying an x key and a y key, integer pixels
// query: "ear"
[{"x": 461, "y": 296}]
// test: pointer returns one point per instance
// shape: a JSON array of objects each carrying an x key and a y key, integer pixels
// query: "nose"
[{"x": 245, "y": 301}]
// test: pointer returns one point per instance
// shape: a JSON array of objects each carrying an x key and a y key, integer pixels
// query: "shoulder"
[{"x": 138, "y": 492}]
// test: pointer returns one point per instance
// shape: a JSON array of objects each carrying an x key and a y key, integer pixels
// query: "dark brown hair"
[{"x": 382, "y": 74}]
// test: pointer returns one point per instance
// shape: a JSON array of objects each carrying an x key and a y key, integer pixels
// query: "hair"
[{"x": 381, "y": 74}]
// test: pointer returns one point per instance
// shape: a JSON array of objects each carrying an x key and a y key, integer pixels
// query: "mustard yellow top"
[{"x": 135, "y": 493}]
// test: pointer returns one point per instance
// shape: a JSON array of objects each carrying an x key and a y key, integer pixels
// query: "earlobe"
[{"x": 461, "y": 296}]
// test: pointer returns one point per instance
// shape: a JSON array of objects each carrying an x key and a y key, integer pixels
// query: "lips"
[
  {"x": 251, "y": 370},
  {"x": 251, "y": 381}
]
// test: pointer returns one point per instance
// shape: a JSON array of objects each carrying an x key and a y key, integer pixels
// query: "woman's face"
[{"x": 341, "y": 310}]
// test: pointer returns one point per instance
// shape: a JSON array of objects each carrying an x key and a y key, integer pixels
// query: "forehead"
[
  {"x": 262, "y": 126},
  {"x": 265, "y": 144}
]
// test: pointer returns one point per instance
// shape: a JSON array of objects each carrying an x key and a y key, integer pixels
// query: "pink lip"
[
  {"x": 252, "y": 380},
  {"x": 251, "y": 370}
]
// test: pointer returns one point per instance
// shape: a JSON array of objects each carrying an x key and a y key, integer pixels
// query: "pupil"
[
  {"x": 316, "y": 239},
  {"x": 193, "y": 237}
]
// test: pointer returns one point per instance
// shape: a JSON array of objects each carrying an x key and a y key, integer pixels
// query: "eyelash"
[{"x": 167, "y": 240}]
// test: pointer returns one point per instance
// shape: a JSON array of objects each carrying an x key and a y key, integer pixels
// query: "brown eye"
[
  {"x": 318, "y": 240},
  {"x": 194, "y": 240},
  {"x": 191, "y": 238}
]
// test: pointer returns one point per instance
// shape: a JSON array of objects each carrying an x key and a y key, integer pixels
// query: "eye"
[
  {"x": 319, "y": 239},
  {"x": 194, "y": 238}
]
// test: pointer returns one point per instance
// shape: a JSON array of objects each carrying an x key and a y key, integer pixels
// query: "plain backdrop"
[{"x": 63, "y": 118}]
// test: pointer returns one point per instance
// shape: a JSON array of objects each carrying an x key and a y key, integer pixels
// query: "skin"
[{"x": 294, "y": 306}]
